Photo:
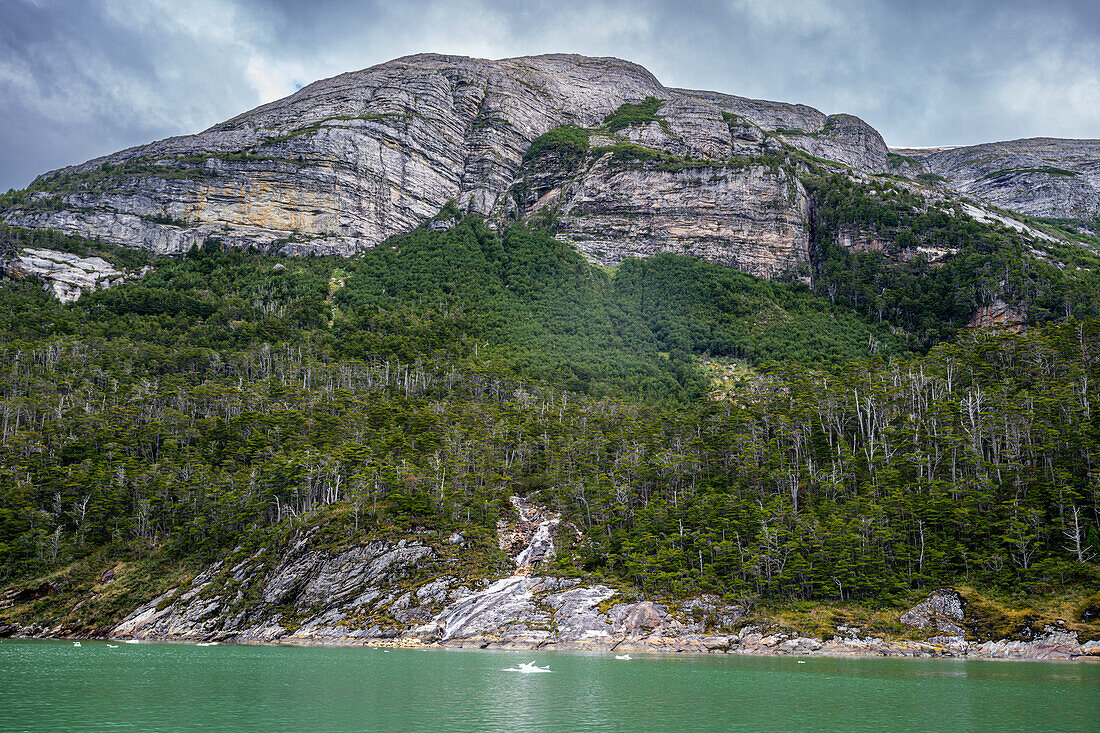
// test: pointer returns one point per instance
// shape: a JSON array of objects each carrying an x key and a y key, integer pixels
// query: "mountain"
[
  {"x": 1041, "y": 176},
  {"x": 627, "y": 166},
  {"x": 515, "y": 413}
]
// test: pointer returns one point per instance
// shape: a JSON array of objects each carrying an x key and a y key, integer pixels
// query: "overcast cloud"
[{"x": 81, "y": 78}]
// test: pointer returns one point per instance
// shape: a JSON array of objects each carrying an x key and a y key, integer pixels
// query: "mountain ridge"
[
  {"x": 346, "y": 162},
  {"x": 620, "y": 165}
]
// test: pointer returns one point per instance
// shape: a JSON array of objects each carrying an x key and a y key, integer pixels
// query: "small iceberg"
[
  {"x": 623, "y": 656},
  {"x": 76, "y": 643},
  {"x": 527, "y": 668},
  {"x": 112, "y": 646},
  {"x": 207, "y": 643},
  {"x": 130, "y": 641}
]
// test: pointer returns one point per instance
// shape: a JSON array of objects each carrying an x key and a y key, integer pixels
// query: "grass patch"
[
  {"x": 990, "y": 616},
  {"x": 930, "y": 179},
  {"x": 631, "y": 115},
  {"x": 897, "y": 160},
  {"x": 568, "y": 142}
]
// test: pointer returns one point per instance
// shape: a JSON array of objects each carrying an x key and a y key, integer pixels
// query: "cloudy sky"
[{"x": 81, "y": 78}]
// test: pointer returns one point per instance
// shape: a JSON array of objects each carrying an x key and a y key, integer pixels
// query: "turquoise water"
[{"x": 54, "y": 686}]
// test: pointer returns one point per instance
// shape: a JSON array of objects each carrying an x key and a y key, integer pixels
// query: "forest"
[{"x": 871, "y": 447}]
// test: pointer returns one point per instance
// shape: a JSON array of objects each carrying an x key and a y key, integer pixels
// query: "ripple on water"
[{"x": 53, "y": 686}]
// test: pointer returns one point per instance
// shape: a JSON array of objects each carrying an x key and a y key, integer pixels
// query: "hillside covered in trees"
[{"x": 420, "y": 385}]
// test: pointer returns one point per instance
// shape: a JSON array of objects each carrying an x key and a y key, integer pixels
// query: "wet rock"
[
  {"x": 632, "y": 619},
  {"x": 576, "y": 616}
]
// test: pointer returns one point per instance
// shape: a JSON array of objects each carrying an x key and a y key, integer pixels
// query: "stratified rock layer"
[
  {"x": 349, "y": 161},
  {"x": 1039, "y": 176}
]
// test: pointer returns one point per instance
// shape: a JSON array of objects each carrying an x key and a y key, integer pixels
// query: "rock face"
[
  {"x": 405, "y": 593},
  {"x": 395, "y": 591},
  {"x": 349, "y": 161},
  {"x": 1037, "y": 176},
  {"x": 346, "y": 162},
  {"x": 65, "y": 275},
  {"x": 997, "y": 314},
  {"x": 752, "y": 218},
  {"x": 942, "y": 611}
]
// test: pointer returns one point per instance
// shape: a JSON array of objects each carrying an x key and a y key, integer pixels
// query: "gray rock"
[
  {"x": 65, "y": 275},
  {"x": 1036, "y": 176},
  {"x": 346, "y": 162},
  {"x": 709, "y": 611},
  {"x": 633, "y": 619},
  {"x": 942, "y": 611}
]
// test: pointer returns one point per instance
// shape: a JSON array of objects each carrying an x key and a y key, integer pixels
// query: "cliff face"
[
  {"x": 1038, "y": 176},
  {"x": 349, "y": 161},
  {"x": 346, "y": 162}
]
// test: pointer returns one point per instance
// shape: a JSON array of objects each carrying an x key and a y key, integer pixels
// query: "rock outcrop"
[
  {"x": 63, "y": 274},
  {"x": 349, "y": 161},
  {"x": 407, "y": 593},
  {"x": 941, "y": 611},
  {"x": 1036, "y": 176}
]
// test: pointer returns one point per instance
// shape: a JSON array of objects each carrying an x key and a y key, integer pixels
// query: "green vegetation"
[
  {"x": 931, "y": 302},
  {"x": 168, "y": 220},
  {"x": 641, "y": 114},
  {"x": 112, "y": 175},
  {"x": 200, "y": 159},
  {"x": 627, "y": 153},
  {"x": 527, "y": 299},
  {"x": 568, "y": 142},
  {"x": 231, "y": 396},
  {"x": 316, "y": 126},
  {"x": 18, "y": 237},
  {"x": 897, "y": 160},
  {"x": 930, "y": 179},
  {"x": 1082, "y": 231},
  {"x": 702, "y": 308}
]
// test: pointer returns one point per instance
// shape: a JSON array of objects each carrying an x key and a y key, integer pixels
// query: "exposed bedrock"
[{"x": 346, "y": 162}]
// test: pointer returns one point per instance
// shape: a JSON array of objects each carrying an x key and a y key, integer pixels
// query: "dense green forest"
[
  {"x": 422, "y": 383},
  {"x": 929, "y": 300}
]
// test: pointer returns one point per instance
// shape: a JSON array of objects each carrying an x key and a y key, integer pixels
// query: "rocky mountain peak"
[
  {"x": 627, "y": 166},
  {"x": 346, "y": 162}
]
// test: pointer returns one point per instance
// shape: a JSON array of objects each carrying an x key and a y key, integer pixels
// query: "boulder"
[
  {"x": 942, "y": 610},
  {"x": 636, "y": 619}
]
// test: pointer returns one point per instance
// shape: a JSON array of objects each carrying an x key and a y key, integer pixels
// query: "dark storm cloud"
[{"x": 85, "y": 78}]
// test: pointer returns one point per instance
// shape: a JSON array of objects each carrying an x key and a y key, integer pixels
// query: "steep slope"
[
  {"x": 348, "y": 161},
  {"x": 1039, "y": 176}
]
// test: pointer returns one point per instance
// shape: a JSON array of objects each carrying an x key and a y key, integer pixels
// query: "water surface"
[{"x": 54, "y": 686}]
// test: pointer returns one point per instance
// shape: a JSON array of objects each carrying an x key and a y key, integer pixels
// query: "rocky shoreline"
[
  {"x": 1052, "y": 646},
  {"x": 411, "y": 593}
]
